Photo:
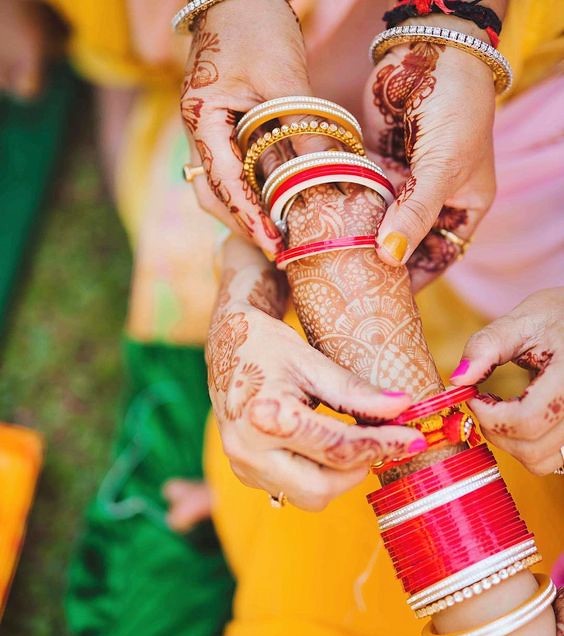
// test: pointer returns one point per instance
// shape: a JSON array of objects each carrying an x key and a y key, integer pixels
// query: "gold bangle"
[
  {"x": 513, "y": 620},
  {"x": 183, "y": 21},
  {"x": 500, "y": 67},
  {"x": 289, "y": 106},
  {"x": 313, "y": 127}
]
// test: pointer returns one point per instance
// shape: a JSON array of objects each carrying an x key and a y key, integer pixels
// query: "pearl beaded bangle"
[
  {"x": 480, "y": 570},
  {"x": 514, "y": 620},
  {"x": 478, "y": 587},
  {"x": 293, "y": 105}
]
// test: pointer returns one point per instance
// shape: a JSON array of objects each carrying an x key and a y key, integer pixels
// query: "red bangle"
[
  {"x": 431, "y": 479},
  {"x": 320, "y": 247},
  {"x": 435, "y": 404},
  {"x": 332, "y": 171}
]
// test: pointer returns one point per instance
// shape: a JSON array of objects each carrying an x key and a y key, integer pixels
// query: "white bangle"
[
  {"x": 313, "y": 160},
  {"x": 473, "y": 573},
  {"x": 184, "y": 19},
  {"x": 440, "y": 498},
  {"x": 499, "y": 65},
  {"x": 520, "y": 616}
]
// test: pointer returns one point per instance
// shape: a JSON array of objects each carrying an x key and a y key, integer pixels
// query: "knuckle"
[
  {"x": 530, "y": 455},
  {"x": 232, "y": 447}
]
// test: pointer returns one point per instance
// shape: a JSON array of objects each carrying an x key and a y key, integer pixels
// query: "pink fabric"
[{"x": 519, "y": 246}]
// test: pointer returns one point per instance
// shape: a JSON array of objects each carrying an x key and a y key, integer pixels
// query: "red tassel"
[
  {"x": 494, "y": 37},
  {"x": 442, "y": 6}
]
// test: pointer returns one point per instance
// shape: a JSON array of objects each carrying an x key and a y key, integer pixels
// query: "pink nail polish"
[
  {"x": 461, "y": 369},
  {"x": 394, "y": 394},
  {"x": 417, "y": 446}
]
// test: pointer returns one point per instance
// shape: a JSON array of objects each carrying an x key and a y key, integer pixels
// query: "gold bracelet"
[
  {"x": 183, "y": 21},
  {"x": 499, "y": 65},
  {"x": 293, "y": 105},
  {"x": 313, "y": 127},
  {"x": 513, "y": 620}
]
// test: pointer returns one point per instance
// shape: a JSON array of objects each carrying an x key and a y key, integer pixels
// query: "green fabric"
[
  {"x": 30, "y": 139},
  {"x": 131, "y": 575}
]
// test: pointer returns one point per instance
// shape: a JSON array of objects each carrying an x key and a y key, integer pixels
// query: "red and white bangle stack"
[
  {"x": 296, "y": 175},
  {"x": 453, "y": 531}
]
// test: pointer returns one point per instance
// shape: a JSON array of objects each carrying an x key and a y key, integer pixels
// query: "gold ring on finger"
[
  {"x": 191, "y": 172},
  {"x": 453, "y": 238}
]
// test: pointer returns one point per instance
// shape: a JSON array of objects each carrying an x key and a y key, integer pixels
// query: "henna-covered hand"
[
  {"x": 244, "y": 52},
  {"x": 531, "y": 426},
  {"x": 417, "y": 108},
  {"x": 265, "y": 382}
]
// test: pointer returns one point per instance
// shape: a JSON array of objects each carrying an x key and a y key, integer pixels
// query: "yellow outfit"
[{"x": 323, "y": 574}]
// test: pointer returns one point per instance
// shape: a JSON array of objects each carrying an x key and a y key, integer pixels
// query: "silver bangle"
[
  {"x": 183, "y": 21},
  {"x": 473, "y": 573},
  {"x": 440, "y": 498},
  {"x": 499, "y": 65}
]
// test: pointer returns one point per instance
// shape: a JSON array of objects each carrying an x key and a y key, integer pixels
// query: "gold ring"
[
  {"x": 279, "y": 501},
  {"x": 453, "y": 238},
  {"x": 191, "y": 172}
]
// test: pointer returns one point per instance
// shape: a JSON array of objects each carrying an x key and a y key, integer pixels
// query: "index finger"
[{"x": 327, "y": 441}]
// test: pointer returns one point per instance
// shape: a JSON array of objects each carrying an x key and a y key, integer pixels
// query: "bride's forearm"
[{"x": 361, "y": 313}]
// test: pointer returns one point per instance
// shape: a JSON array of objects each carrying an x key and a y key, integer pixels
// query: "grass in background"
[{"x": 60, "y": 373}]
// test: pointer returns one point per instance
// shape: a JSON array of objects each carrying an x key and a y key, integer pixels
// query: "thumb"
[
  {"x": 494, "y": 345},
  {"x": 346, "y": 392},
  {"x": 412, "y": 215}
]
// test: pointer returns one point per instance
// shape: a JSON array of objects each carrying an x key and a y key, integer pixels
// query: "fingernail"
[
  {"x": 396, "y": 245},
  {"x": 461, "y": 369},
  {"x": 394, "y": 394},
  {"x": 417, "y": 446}
]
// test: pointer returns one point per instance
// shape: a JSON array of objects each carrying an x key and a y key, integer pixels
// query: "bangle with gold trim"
[{"x": 499, "y": 65}]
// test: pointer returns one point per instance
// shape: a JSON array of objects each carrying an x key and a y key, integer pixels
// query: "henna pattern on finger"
[
  {"x": 244, "y": 385},
  {"x": 555, "y": 410},
  {"x": 503, "y": 429},
  {"x": 399, "y": 90},
  {"x": 226, "y": 336},
  {"x": 537, "y": 364},
  {"x": 203, "y": 73}
]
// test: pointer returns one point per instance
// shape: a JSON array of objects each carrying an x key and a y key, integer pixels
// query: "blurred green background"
[{"x": 60, "y": 368}]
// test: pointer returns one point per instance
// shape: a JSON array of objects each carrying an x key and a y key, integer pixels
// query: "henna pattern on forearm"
[
  {"x": 270, "y": 293},
  {"x": 355, "y": 309}
]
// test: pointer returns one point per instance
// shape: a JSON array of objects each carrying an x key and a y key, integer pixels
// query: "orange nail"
[{"x": 395, "y": 244}]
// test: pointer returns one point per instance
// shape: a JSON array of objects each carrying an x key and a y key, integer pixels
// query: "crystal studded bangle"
[
  {"x": 499, "y": 65},
  {"x": 183, "y": 21}
]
